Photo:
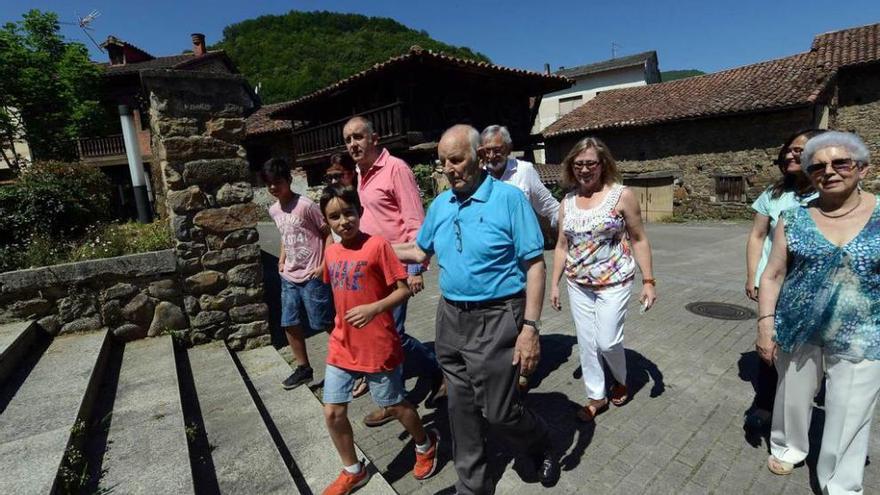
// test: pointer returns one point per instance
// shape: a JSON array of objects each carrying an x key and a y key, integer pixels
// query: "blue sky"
[{"x": 707, "y": 35}]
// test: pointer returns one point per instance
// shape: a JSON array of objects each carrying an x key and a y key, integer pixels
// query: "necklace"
[{"x": 847, "y": 212}]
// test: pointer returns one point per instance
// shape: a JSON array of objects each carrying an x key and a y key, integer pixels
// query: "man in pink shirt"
[{"x": 393, "y": 210}]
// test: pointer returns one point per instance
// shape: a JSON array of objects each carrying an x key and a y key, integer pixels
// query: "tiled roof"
[
  {"x": 170, "y": 62},
  {"x": 552, "y": 82},
  {"x": 549, "y": 173},
  {"x": 614, "y": 63},
  {"x": 260, "y": 123},
  {"x": 787, "y": 82}
]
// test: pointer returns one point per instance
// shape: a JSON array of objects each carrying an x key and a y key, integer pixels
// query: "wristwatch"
[{"x": 534, "y": 324}]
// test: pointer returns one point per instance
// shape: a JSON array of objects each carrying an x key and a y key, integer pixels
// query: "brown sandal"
[
  {"x": 619, "y": 395},
  {"x": 588, "y": 413}
]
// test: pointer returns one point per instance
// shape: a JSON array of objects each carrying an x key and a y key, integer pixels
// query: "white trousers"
[
  {"x": 851, "y": 392},
  {"x": 598, "y": 319}
]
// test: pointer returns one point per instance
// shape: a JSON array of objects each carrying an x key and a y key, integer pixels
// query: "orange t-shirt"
[{"x": 363, "y": 274}]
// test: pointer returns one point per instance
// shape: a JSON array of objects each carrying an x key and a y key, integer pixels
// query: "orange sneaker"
[
  {"x": 426, "y": 463},
  {"x": 347, "y": 482}
]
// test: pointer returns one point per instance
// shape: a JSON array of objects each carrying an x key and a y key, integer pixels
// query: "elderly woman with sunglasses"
[
  {"x": 820, "y": 298},
  {"x": 791, "y": 190},
  {"x": 601, "y": 239}
]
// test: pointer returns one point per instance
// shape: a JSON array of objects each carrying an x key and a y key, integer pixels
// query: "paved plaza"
[{"x": 690, "y": 377}]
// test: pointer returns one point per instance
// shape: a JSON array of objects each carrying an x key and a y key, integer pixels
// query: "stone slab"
[
  {"x": 15, "y": 339},
  {"x": 35, "y": 427},
  {"x": 147, "y": 451},
  {"x": 300, "y": 420},
  {"x": 133, "y": 265},
  {"x": 245, "y": 457}
]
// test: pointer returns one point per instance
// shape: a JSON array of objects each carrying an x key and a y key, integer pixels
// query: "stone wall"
[
  {"x": 858, "y": 110},
  {"x": 197, "y": 122},
  {"x": 135, "y": 296},
  {"x": 700, "y": 150}
]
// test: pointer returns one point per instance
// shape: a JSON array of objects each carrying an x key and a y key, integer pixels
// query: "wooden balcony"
[
  {"x": 324, "y": 139},
  {"x": 110, "y": 150}
]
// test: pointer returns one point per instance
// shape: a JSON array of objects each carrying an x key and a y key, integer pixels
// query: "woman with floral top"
[
  {"x": 820, "y": 300},
  {"x": 601, "y": 240}
]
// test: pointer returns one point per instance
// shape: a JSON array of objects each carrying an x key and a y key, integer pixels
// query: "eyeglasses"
[
  {"x": 841, "y": 166},
  {"x": 588, "y": 164},
  {"x": 796, "y": 150},
  {"x": 457, "y": 228},
  {"x": 333, "y": 177},
  {"x": 492, "y": 151}
]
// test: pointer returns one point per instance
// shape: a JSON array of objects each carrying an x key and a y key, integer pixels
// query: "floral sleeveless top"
[
  {"x": 831, "y": 294},
  {"x": 599, "y": 252}
]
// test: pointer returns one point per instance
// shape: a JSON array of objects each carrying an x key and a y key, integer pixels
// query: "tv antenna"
[
  {"x": 84, "y": 23},
  {"x": 614, "y": 48}
]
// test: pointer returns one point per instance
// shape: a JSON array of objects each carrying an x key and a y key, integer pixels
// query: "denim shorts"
[
  {"x": 386, "y": 387},
  {"x": 313, "y": 295}
]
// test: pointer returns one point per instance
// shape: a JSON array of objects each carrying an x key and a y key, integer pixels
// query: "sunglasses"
[
  {"x": 587, "y": 164},
  {"x": 841, "y": 166},
  {"x": 333, "y": 177}
]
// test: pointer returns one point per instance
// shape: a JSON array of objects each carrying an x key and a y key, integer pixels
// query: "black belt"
[{"x": 469, "y": 305}]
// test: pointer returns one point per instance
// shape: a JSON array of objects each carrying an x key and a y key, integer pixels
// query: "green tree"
[
  {"x": 51, "y": 83},
  {"x": 294, "y": 54}
]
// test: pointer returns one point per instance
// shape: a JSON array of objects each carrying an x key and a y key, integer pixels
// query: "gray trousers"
[{"x": 475, "y": 351}]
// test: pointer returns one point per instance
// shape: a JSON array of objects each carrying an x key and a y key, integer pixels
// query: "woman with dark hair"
[
  {"x": 792, "y": 189},
  {"x": 819, "y": 314},
  {"x": 341, "y": 171},
  {"x": 601, "y": 240}
]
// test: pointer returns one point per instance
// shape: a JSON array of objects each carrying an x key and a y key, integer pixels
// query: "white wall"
[
  {"x": 20, "y": 146},
  {"x": 587, "y": 87}
]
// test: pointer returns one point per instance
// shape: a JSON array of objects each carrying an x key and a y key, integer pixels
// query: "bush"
[
  {"x": 98, "y": 241},
  {"x": 53, "y": 200}
]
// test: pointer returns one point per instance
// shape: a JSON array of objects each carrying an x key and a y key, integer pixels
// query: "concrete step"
[
  {"x": 299, "y": 418},
  {"x": 147, "y": 450},
  {"x": 49, "y": 412},
  {"x": 15, "y": 340},
  {"x": 244, "y": 455}
]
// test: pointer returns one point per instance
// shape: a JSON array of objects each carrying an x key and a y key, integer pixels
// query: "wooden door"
[{"x": 655, "y": 197}]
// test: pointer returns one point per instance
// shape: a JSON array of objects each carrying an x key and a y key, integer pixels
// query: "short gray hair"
[
  {"x": 472, "y": 134},
  {"x": 496, "y": 130},
  {"x": 368, "y": 126},
  {"x": 847, "y": 140}
]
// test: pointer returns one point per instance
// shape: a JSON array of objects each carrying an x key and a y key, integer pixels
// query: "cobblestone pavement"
[{"x": 689, "y": 376}]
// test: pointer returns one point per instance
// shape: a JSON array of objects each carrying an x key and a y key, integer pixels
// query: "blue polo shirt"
[{"x": 482, "y": 242}]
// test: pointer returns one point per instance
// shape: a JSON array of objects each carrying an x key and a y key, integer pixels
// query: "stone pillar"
[{"x": 198, "y": 124}]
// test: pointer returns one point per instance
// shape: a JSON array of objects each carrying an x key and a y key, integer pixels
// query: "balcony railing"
[
  {"x": 387, "y": 122},
  {"x": 101, "y": 146}
]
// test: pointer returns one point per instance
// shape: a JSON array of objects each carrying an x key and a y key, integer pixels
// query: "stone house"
[
  {"x": 710, "y": 140},
  {"x": 122, "y": 85}
]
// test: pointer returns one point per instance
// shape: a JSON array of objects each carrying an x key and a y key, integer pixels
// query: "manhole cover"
[{"x": 721, "y": 311}]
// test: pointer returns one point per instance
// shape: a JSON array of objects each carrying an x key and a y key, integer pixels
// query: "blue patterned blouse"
[{"x": 831, "y": 294}]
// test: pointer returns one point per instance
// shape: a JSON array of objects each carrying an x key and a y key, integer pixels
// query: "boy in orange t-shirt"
[{"x": 367, "y": 281}]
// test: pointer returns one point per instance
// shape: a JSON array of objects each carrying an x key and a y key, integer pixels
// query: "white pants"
[
  {"x": 598, "y": 319},
  {"x": 851, "y": 391}
]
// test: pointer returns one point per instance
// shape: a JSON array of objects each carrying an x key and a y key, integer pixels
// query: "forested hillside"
[{"x": 294, "y": 54}]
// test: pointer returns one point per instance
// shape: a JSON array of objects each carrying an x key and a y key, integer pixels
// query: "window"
[
  {"x": 568, "y": 104},
  {"x": 730, "y": 188}
]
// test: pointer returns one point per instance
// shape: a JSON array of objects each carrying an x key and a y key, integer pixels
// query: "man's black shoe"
[
  {"x": 300, "y": 375},
  {"x": 547, "y": 464}
]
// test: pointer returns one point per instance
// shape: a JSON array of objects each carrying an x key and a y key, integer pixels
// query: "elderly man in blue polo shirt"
[{"x": 489, "y": 251}]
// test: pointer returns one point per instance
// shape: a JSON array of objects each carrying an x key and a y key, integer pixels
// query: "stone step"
[
  {"x": 50, "y": 412},
  {"x": 147, "y": 451},
  {"x": 299, "y": 418},
  {"x": 15, "y": 340},
  {"x": 244, "y": 455}
]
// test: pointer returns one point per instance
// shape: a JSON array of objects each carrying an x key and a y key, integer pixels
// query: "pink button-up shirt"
[{"x": 390, "y": 197}]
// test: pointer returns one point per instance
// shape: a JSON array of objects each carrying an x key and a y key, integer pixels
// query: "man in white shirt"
[{"x": 495, "y": 147}]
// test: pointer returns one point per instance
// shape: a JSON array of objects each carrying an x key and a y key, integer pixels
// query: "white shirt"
[{"x": 523, "y": 175}]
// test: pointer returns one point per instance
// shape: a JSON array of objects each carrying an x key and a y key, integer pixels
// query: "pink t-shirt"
[{"x": 300, "y": 223}]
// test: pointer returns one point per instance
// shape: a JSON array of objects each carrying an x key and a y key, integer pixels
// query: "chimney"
[
  {"x": 198, "y": 40},
  {"x": 547, "y": 69}
]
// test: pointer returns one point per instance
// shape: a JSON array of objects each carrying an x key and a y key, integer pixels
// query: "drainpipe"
[{"x": 135, "y": 165}]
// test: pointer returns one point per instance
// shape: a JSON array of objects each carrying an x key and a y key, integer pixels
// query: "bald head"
[
  {"x": 458, "y": 155},
  {"x": 361, "y": 142}
]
